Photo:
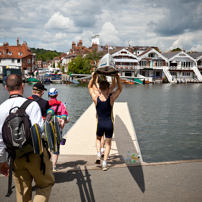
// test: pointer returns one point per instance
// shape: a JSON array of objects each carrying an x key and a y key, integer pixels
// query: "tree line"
[{"x": 45, "y": 55}]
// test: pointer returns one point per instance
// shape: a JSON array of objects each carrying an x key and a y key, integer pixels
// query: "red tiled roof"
[{"x": 15, "y": 50}]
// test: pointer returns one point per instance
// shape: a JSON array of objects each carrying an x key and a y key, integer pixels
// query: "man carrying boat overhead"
[{"x": 105, "y": 121}]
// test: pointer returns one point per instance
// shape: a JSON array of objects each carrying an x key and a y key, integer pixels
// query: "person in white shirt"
[{"x": 25, "y": 172}]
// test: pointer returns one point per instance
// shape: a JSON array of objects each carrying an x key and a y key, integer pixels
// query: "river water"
[{"x": 167, "y": 117}]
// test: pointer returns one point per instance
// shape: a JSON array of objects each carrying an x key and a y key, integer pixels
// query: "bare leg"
[
  {"x": 98, "y": 143},
  {"x": 102, "y": 146},
  {"x": 98, "y": 146},
  {"x": 55, "y": 159},
  {"x": 107, "y": 148},
  {"x": 103, "y": 142}
]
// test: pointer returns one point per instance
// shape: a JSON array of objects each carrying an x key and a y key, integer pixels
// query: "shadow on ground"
[
  {"x": 83, "y": 182},
  {"x": 124, "y": 144}
]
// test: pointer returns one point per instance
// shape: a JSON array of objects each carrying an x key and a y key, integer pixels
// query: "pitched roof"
[
  {"x": 17, "y": 52},
  {"x": 144, "y": 52},
  {"x": 170, "y": 54},
  {"x": 195, "y": 55}
]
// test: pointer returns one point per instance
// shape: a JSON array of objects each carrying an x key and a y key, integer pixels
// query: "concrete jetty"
[{"x": 80, "y": 139}]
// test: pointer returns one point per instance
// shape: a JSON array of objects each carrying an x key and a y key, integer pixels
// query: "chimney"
[
  {"x": 95, "y": 46},
  {"x": 73, "y": 45},
  {"x": 17, "y": 41}
]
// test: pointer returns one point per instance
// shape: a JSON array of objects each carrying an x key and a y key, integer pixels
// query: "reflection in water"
[{"x": 167, "y": 118}]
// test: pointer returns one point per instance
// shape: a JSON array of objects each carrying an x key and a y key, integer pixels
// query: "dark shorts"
[{"x": 105, "y": 127}]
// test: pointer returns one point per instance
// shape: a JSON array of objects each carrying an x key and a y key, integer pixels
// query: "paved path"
[
  {"x": 180, "y": 182},
  {"x": 80, "y": 179}
]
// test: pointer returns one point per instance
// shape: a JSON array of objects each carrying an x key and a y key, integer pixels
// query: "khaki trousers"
[{"x": 24, "y": 173}]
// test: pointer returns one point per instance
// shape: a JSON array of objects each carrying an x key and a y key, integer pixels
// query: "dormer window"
[
  {"x": 9, "y": 53},
  {"x": 19, "y": 53},
  {"x": 151, "y": 55}
]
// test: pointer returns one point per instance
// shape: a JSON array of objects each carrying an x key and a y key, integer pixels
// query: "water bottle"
[
  {"x": 65, "y": 104},
  {"x": 128, "y": 157}
]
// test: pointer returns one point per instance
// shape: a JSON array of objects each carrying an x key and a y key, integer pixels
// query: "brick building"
[{"x": 17, "y": 57}]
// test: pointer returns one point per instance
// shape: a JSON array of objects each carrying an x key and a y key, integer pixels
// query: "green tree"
[
  {"x": 176, "y": 49},
  {"x": 79, "y": 65},
  {"x": 45, "y": 55},
  {"x": 94, "y": 56}
]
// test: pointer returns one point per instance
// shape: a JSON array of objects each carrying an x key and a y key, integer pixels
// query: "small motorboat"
[
  {"x": 33, "y": 80},
  {"x": 56, "y": 79},
  {"x": 106, "y": 66}
]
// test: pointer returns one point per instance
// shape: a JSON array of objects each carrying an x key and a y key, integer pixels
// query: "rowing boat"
[{"x": 106, "y": 66}]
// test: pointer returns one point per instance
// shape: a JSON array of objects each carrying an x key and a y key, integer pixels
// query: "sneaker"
[
  {"x": 55, "y": 169},
  {"x": 98, "y": 160},
  {"x": 104, "y": 167},
  {"x": 102, "y": 154}
]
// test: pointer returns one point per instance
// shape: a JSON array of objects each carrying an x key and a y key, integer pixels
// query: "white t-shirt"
[{"x": 33, "y": 110}]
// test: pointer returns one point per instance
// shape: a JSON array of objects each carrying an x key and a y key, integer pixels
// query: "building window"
[
  {"x": 18, "y": 60},
  {"x": 19, "y": 53},
  {"x": 0, "y": 60},
  {"x": 151, "y": 55},
  {"x": 173, "y": 73},
  {"x": 28, "y": 60},
  {"x": 143, "y": 63},
  {"x": 13, "y": 60},
  {"x": 186, "y": 73},
  {"x": 9, "y": 53}
]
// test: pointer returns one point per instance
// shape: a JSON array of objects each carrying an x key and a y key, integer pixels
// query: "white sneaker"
[{"x": 104, "y": 167}]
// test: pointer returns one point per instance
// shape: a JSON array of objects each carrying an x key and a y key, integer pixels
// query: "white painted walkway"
[{"x": 81, "y": 136}]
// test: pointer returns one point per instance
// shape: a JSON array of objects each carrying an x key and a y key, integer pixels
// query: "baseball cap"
[
  {"x": 52, "y": 92},
  {"x": 39, "y": 87}
]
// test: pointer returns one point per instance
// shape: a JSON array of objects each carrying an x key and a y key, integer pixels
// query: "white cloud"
[
  {"x": 188, "y": 41},
  {"x": 54, "y": 25},
  {"x": 58, "y": 21},
  {"x": 109, "y": 34}
]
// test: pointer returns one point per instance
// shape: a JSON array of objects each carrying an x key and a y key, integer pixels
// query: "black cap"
[{"x": 39, "y": 87}]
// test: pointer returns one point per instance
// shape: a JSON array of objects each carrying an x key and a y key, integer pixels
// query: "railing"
[
  {"x": 127, "y": 67},
  {"x": 167, "y": 73},
  {"x": 180, "y": 68}
]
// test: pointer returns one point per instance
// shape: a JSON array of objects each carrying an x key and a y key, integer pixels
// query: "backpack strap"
[
  {"x": 56, "y": 111},
  {"x": 10, "y": 179},
  {"x": 25, "y": 104}
]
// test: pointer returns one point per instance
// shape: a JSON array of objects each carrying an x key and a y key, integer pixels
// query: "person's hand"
[
  {"x": 4, "y": 168},
  {"x": 67, "y": 121},
  {"x": 117, "y": 75},
  {"x": 62, "y": 123},
  {"x": 94, "y": 74}
]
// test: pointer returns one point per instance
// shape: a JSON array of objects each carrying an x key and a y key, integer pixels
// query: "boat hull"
[
  {"x": 56, "y": 81},
  {"x": 106, "y": 66}
]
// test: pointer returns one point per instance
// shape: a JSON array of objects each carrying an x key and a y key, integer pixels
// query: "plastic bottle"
[{"x": 128, "y": 157}]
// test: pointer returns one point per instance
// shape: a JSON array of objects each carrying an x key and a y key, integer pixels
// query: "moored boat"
[
  {"x": 56, "y": 79},
  {"x": 33, "y": 80}
]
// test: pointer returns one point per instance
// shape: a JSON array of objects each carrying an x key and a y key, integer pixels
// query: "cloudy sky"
[{"x": 54, "y": 24}]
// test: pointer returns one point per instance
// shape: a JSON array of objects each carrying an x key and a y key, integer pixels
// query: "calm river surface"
[{"x": 167, "y": 117}]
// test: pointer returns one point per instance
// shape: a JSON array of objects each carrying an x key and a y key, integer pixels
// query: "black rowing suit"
[{"x": 105, "y": 120}]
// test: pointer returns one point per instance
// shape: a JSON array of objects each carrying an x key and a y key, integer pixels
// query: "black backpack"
[{"x": 16, "y": 131}]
